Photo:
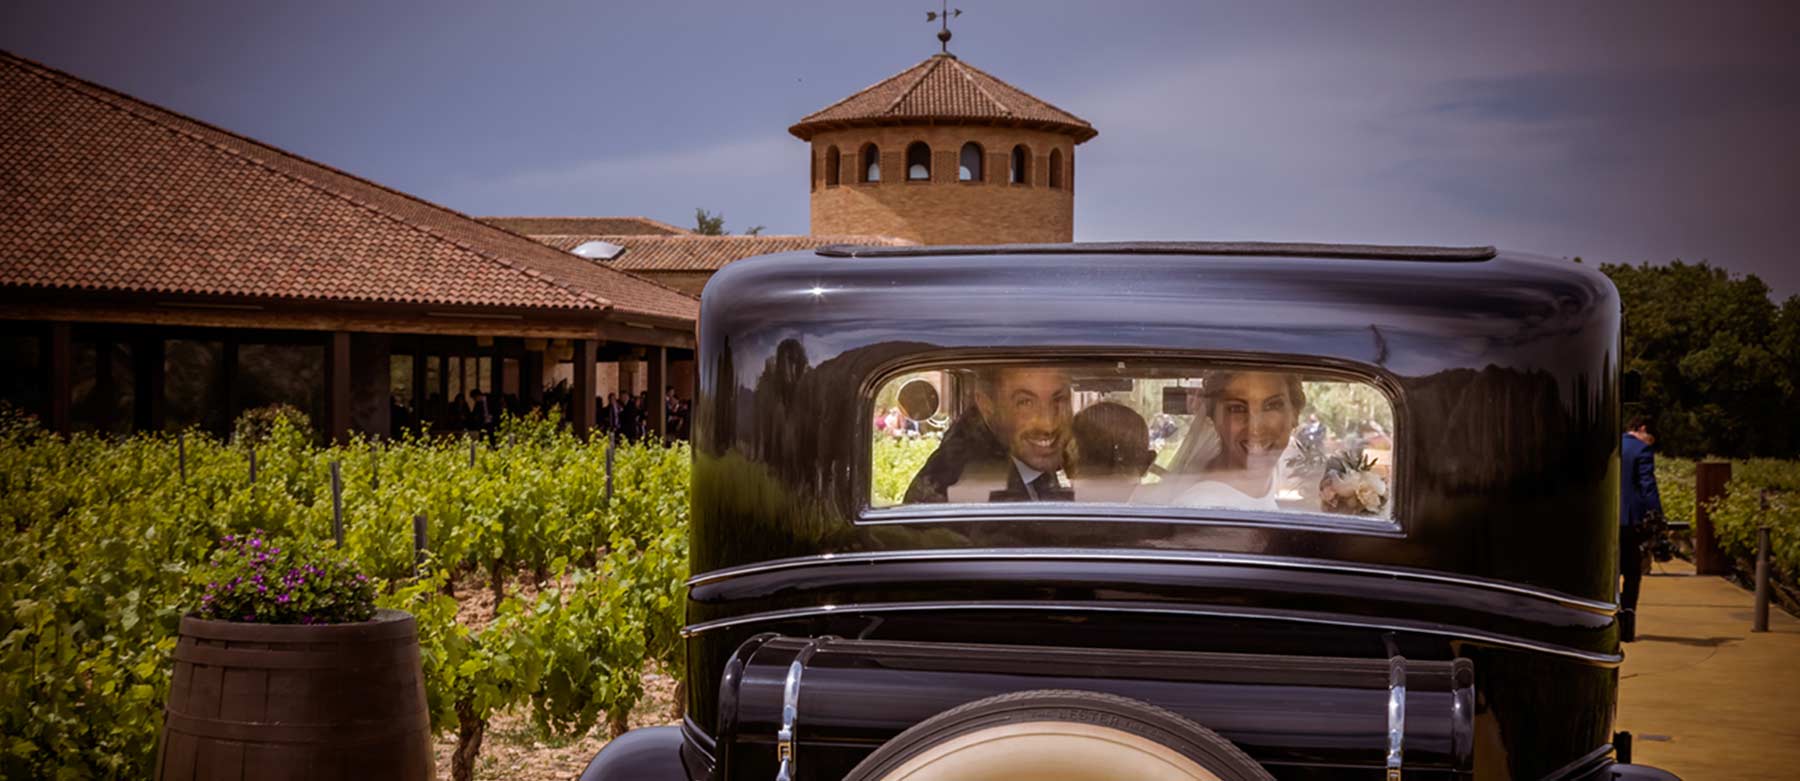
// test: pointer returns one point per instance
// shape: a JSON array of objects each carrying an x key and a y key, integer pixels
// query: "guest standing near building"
[{"x": 1640, "y": 506}]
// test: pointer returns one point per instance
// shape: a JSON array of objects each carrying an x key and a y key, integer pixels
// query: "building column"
[
  {"x": 147, "y": 375},
  {"x": 497, "y": 375},
  {"x": 658, "y": 360},
  {"x": 418, "y": 384},
  {"x": 105, "y": 397},
  {"x": 371, "y": 384},
  {"x": 60, "y": 365},
  {"x": 581, "y": 404},
  {"x": 337, "y": 386},
  {"x": 531, "y": 377}
]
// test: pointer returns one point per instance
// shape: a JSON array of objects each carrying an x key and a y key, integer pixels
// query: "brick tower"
[{"x": 943, "y": 153}]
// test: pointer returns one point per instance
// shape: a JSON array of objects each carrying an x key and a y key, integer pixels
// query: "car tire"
[{"x": 1058, "y": 735}]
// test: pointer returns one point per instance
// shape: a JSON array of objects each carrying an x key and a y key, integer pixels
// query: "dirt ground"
[{"x": 510, "y": 751}]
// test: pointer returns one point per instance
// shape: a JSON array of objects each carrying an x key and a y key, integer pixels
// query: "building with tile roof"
[
  {"x": 686, "y": 262},
  {"x": 939, "y": 153},
  {"x": 944, "y": 153},
  {"x": 140, "y": 247}
]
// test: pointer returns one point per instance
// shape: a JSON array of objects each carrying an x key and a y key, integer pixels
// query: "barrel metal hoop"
[
  {"x": 349, "y": 733},
  {"x": 790, "y": 708},
  {"x": 1396, "y": 714}
]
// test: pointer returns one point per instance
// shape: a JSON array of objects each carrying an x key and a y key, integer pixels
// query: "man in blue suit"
[{"x": 1640, "y": 506}]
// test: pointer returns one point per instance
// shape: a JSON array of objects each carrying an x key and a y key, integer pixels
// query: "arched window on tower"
[
  {"x": 831, "y": 167},
  {"x": 871, "y": 160},
  {"x": 1056, "y": 172},
  {"x": 918, "y": 162},
  {"x": 970, "y": 168},
  {"x": 1021, "y": 165}
]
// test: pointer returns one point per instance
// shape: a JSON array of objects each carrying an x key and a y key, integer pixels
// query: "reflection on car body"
[{"x": 1349, "y": 511}]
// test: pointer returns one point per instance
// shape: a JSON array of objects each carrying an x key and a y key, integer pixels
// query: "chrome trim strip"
[
  {"x": 913, "y": 607},
  {"x": 1396, "y": 714},
  {"x": 790, "y": 709},
  {"x": 1156, "y": 557}
]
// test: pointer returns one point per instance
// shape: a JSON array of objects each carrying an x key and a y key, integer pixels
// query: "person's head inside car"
[
  {"x": 1232, "y": 451},
  {"x": 1010, "y": 447},
  {"x": 1111, "y": 452},
  {"x": 1029, "y": 410},
  {"x": 1254, "y": 414}
]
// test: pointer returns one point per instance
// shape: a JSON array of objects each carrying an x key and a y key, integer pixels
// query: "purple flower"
[{"x": 254, "y": 543}]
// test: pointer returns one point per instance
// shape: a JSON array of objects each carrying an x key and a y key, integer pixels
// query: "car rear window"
[{"x": 1158, "y": 433}]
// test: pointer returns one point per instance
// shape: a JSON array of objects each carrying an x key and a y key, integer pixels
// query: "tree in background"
[
  {"x": 1720, "y": 361},
  {"x": 709, "y": 224}
]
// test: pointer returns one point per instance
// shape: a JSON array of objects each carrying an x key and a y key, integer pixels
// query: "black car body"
[{"x": 1481, "y": 606}]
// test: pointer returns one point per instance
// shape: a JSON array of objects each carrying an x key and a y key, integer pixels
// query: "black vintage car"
[{"x": 1184, "y": 511}]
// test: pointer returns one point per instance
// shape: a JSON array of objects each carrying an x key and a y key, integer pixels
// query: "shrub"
[
  {"x": 251, "y": 578},
  {"x": 254, "y": 426}
]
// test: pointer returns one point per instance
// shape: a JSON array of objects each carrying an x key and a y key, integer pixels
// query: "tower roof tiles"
[{"x": 943, "y": 90}]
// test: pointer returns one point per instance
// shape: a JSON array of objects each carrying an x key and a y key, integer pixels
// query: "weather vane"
[{"x": 943, "y": 15}]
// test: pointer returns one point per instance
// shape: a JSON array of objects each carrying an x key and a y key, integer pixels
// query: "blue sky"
[{"x": 1616, "y": 131}]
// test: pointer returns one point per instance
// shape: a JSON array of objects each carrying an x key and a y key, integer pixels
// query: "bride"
[{"x": 1231, "y": 455}]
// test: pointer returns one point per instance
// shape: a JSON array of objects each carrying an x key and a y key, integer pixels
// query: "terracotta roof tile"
[
  {"x": 704, "y": 253},
  {"x": 600, "y": 226},
  {"x": 100, "y": 191},
  {"x": 943, "y": 89}
]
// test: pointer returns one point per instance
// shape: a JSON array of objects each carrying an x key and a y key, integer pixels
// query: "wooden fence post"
[
  {"x": 1710, "y": 479},
  {"x": 337, "y": 503},
  {"x": 419, "y": 544}
]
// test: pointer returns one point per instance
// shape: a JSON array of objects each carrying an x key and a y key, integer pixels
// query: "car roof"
[{"x": 1216, "y": 248}]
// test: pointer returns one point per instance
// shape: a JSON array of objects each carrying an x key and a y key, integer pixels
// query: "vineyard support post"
[
  {"x": 337, "y": 503},
  {"x": 375, "y": 466},
  {"x": 471, "y": 452},
  {"x": 419, "y": 544},
  {"x": 181, "y": 455},
  {"x": 612, "y": 441},
  {"x": 253, "y": 464},
  {"x": 1710, "y": 479}
]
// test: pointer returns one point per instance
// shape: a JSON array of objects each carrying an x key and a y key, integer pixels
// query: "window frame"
[
  {"x": 978, "y": 174},
  {"x": 925, "y": 155},
  {"x": 864, "y": 513},
  {"x": 867, "y": 160},
  {"x": 1018, "y": 163}
]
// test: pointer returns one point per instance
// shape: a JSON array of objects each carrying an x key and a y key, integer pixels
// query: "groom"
[{"x": 1009, "y": 448}]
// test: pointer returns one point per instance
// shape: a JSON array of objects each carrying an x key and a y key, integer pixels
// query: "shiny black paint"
[
  {"x": 1503, "y": 374},
  {"x": 651, "y": 754}
]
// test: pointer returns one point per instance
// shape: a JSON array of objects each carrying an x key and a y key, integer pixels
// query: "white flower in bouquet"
[{"x": 1351, "y": 485}]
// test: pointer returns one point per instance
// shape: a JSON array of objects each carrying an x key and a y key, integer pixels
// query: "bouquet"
[{"x": 1351, "y": 486}]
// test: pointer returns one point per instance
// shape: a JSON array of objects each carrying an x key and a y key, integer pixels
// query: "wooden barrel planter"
[{"x": 287, "y": 701}]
